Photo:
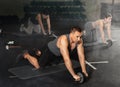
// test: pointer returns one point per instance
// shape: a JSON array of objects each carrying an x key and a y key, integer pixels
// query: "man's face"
[
  {"x": 77, "y": 36},
  {"x": 108, "y": 20}
]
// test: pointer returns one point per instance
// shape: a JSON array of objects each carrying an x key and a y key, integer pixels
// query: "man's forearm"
[
  {"x": 69, "y": 66},
  {"x": 82, "y": 59},
  {"x": 83, "y": 65},
  {"x": 109, "y": 31},
  {"x": 40, "y": 22},
  {"x": 42, "y": 27},
  {"x": 103, "y": 38}
]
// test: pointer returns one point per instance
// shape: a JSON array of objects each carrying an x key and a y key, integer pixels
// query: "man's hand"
[
  {"x": 86, "y": 74},
  {"x": 44, "y": 33},
  {"x": 105, "y": 42},
  {"x": 76, "y": 77}
]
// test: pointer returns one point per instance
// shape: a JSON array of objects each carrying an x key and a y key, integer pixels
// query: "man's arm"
[
  {"x": 102, "y": 32},
  {"x": 47, "y": 18},
  {"x": 81, "y": 57},
  {"x": 40, "y": 23},
  {"x": 65, "y": 54},
  {"x": 108, "y": 26}
]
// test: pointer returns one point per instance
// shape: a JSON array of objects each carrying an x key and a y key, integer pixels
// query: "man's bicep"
[
  {"x": 64, "y": 49},
  {"x": 65, "y": 54}
]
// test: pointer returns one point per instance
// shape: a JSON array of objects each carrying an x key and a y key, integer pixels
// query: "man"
[
  {"x": 100, "y": 24},
  {"x": 35, "y": 24},
  {"x": 63, "y": 46}
]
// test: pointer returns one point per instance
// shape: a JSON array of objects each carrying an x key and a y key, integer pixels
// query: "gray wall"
[
  {"x": 93, "y": 8},
  {"x": 12, "y": 7},
  {"x": 15, "y": 7}
]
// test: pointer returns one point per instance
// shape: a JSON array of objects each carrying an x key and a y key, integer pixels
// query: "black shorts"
[{"x": 47, "y": 58}]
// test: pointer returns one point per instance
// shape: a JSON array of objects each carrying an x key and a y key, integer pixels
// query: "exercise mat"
[{"x": 27, "y": 71}]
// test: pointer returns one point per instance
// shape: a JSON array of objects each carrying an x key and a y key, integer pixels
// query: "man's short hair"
[
  {"x": 108, "y": 15},
  {"x": 76, "y": 28}
]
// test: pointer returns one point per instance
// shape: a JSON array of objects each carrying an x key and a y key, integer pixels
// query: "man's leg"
[
  {"x": 32, "y": 60},
  {"x": 88, "y": 35},
  {"x": 29, "y": 29},
  {"x": 39, "y": 18},
  {"x": 46, "y": 58},
  {"x": 37, "y": 28}
]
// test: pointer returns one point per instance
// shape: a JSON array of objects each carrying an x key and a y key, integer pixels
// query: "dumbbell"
[{"x": 7, "y": 47}]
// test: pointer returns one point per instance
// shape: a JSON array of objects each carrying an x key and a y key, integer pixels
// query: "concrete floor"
[{"x": 106, "y": 75}]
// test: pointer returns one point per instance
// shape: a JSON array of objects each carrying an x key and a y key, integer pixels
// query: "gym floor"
[{"x": 106, "y": 75}]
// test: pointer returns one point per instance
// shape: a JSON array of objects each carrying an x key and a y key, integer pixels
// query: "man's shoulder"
[
  {"x": 64, "y": 36},
  {"x": 63, "y": 39}
]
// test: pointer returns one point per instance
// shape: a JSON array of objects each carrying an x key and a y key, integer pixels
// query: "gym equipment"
[
  {"x": 81, "y": 77},
  {"x": 99, "y": 62},
  {"x": 97, "y": 45},
  {"x": 109, "y": 43},
  {"x": 10, "y": 42},
  {"x": 90, "y": 65},
  {"x": 105, "y": 45},
  {"x": 7, "y": 47}
]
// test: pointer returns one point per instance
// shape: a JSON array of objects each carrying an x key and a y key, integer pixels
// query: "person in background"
[
  {"x": 100, "y": 24},
  {"x": 35, "y": 24}
]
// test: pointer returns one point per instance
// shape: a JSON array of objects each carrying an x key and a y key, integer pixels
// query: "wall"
[
  {"x": 12, "y": 7},
  {"x": 15, "y": 7},
  {"x": 93, "y": 8},
  {"x": 109, "y": 1}
]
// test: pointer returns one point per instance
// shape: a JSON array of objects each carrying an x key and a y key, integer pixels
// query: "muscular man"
[
  {"x": 35, "y": 23},
  {"x": 100, "y": 24},
  {"x": 63, "y": 46}
]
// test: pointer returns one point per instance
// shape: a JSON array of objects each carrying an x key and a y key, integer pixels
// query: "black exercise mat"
[{"x": 27, "y": 72}]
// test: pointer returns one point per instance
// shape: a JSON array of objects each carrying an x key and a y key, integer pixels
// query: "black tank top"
[{"x": 53, "y": 47}]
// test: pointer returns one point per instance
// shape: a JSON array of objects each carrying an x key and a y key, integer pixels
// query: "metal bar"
[
  {"x": 99, "y": 62},
  {"x": 90, "y": 65}
]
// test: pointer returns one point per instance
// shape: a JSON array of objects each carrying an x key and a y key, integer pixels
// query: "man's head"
[
  {"x": 76, "y": 33},
  {"x": 108, "y": 18}
]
